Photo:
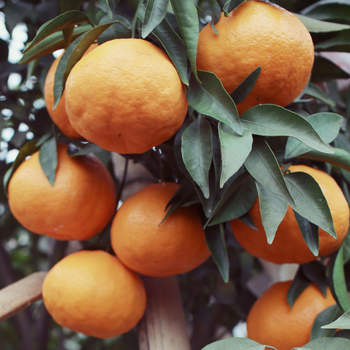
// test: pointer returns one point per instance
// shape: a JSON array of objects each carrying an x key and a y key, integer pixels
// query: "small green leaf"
[
  {"x": 326, "y": 316},
  {"x": 63, "y": 21},
  {"x": 197, "y": 152},
  {"x": 215, "y": 238},
  {"x": 237, "y": 344},
  {"x": 317, "y": 26},
  {"x": 210, "y": 98},
  {"x": 263, "y": 166},
  {"x": 343, "y": 322},
  {"x": 316, "y": 273},
  {"x": 246, "y": 86},
  {"x": 234, "y": 151},
  {"x": 155, "y": 14},
  {"x": 316, "y": 92},
  {"x": 272, "y": 120},
  {"x": 326, "y": 344},
  {"x": 309, "y": 232},
  {"x": 272, "y": 209},
  {"x": 230, "y": 5},
  {"x": 48, "y": 159},
  {"x": 299, "y": 284},
  {"x": 187, "y": 18},
  {"x": 325, "y": 70},
  {"x": 216, "y": 14}
]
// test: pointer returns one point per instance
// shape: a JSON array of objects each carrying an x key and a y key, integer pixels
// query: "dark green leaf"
[
  {"x": 215, "y": 238},
  {"x": 234, "y": 151},
  {"x": 309, "y": 232},
  {"x": 329, "y": 10},
  {"x": 174, "y": 46},
  {"x": 237, "y": 344},
  {"x": 346, "y": 248},
  {"x": 310, "y": 201},
  {"x": 326, "y": 316},
  {"x": 115, "y": 31},
  {"x": 326, "y": 344},
  {"x": 263, "y": 166},
  {"x": 325, "y": 70},
  {"x": 211, "y": 98},
  {"x": 68, "y": 5},
  {"x": 65, "y": 20},
  {"x": 197, "y": 152},
  {"x": 187, "y": 18},
  {"x": 230, "y": 5},
  {"x": 155, "y": 13},
  {"x": 246, "y": 86},
  {"x": 50, "y": 44},
  {"x": 316, "y": 92},
  {"x": 48, "y": 159},
  {"x": 299, "y": 284},
  {"x": 343, "y": 322},
  {"x": 272, "y": 210},
  {"x": 248, "y": 220},
  {"x": 317, "y": 26},
  {"x": 108, "y": 6},
  {"x": 340, "y": 42},
  {"x": 316, "y": 273},
  {"x": 216, "y": 14},
  {"x": 272, "y": 120}
]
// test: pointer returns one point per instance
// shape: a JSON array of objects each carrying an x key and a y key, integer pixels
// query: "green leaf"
[
  {"x": 317, "y": 26},
  {"x": 72, "y": 55},
  {"x": 237, "y": 344},
  {"x": 317, "y": 93},
  {"x": 234, "y": 151},
  {"x": 215, "y": 238},
  {"x": 197, "y": 152},
  {"x": 230, "y": 5},
  {"x": 316, "y": 273},
  {"x": 50, "y": 44},
  {"x": 237, "y": 204},
  {"x": 310, "y": 201},
  {"x": 210, "y": 98},
  {"x": 326, "y": 316},
  {"x": 187, "y": 18},
  {"x": 65, "y": 20},
  {"x": 326, "y": 344},
  {"x": 272, "y": 209},
  {"x": 48, "y": 159},
  {"x": 343, "y": 322},
  {"x": 246, "y": 86},
  {"x": 327, "y": 125},
  {"x": 115, "y": 31},
  {"x": 328, "y": 10},
  {"x": 272, "y": 120},
  {"x": 75, "y": 151},
  {"x": 215, "y": 16},
  {"x": 263, "y": 166},
  {"x": 339, "y": 43},
  {"x": 336, "y": 276},
  {"x": 68, "y": 5},
  {"x": 299, "y": 284},
  {"x": 309, "y": 232},
  {"x": 155, "y": 14},
  {"x": 346, "y": 248},
  {"x": 108, "y": 6},
  {"x": 325, "y": 70},
  {"x": 174, "y": 47}
]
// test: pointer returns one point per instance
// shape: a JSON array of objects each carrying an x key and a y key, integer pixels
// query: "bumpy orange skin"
[
  {"x": 126, "y": 96},
  {"x": 176, "y": 246},
  {"x": 289, "y": 245},
  {"x": 271, "y": 321},
  {"x": 78, "y": 206},
  {"x": 92, "y": 292},
  {"x": 259, "y": 34}
]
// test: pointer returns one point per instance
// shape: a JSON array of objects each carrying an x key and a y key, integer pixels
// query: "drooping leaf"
[
  {"x": 48, "y": 159},
  {"x": 309, "y": 232},
  {"x": 272, "y": 120},
  {"x": 317, "y": 26},
  {"x": 237, "y": 344},
  {"x": 230, "y": 5},
  {"x": 215, "y": 238},
  {"x": 63, "y": 21},
  {"x": 187, "y": 18},
  {"x": 316, "y": 92},
  {"x": 234, "y": 151},
  {"x": 155, "y": 13},
  {"x": 310, "y": 201},
  {"x": 210, "y": 98},
  {"x": 216, "y": 14},
  {"x": 326, "y": 316},
  {"x": 69, "y": 5},
  {"x": 299, "y": 284},
  {"x": 315, "y": 271},
  {"x": 174, "y": 46},
  {"x": 263, "y": 167},
  {"x": 272, "y": 209},
  {"x": 326, "y": 344},
  {"x": 197, "y": 152},
  {"x": 325, "y": 70},
  {"x": 338, "y": 43},
  {"x": 246, "y": 86},
  {"x": 343, "y": 322}
]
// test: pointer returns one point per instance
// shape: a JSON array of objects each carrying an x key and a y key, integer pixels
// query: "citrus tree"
[{"x": 236, "y": 110}]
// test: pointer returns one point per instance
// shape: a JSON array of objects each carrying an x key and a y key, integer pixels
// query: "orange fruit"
[
  {"x": 92, "y": 292},
  {"x": 272, "y": 322},
  {"x": 59, "y": 114},
  {"x": 289, "y": 245},
  {"x": 255, "y": 34},
  {"x": 126, "y": 96},
  {"x": 176, "y": 246},
  {"x": 78, "y": 206}
]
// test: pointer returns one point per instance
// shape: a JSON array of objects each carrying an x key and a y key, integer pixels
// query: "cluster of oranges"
[{"x": 126, "y": 96}]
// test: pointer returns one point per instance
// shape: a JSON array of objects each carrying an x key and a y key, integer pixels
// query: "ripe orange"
[
  {"x": 271, "y": 321},
  {"x": 176, "y": 246},
  {"x": 78, "y": 206},
  {"x": 257, "y": 34},
  {"x": 92, "y": 292},
  {"x": 126, "y": 96},
  {"x": 289, "y": 245},
  {"x": 59, "y": 115}
]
